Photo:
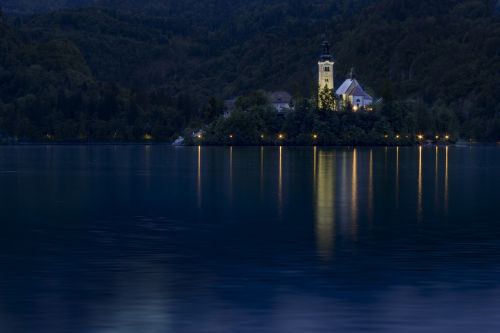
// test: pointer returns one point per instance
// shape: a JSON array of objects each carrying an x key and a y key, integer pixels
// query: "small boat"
[{"x": 178, "y": 142}]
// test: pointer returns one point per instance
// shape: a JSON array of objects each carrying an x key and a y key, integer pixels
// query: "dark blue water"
[{"x": 161, "y": 239}]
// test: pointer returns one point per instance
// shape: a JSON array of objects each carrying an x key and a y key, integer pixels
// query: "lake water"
[{"x": 206, "y": 239}]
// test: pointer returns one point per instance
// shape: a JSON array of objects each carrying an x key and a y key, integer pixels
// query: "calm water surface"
[{"x": 162, "y": 239}]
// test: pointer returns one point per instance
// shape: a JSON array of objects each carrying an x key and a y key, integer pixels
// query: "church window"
[{"x": 327, "y": 69}]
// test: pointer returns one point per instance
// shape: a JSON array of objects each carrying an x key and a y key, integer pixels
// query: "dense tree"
[
  {"x": 326, "y": 100},
  {"x": 126, "y": 69}
]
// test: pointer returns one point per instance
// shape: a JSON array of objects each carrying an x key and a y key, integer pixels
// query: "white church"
[{"x": 350, "y": 93}]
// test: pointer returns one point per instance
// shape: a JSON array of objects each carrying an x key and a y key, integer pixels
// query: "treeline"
[
  {"x": 131, "y": 70},
  {"x": 49, "y": 93},
  {"x": 255, "y": 122}
]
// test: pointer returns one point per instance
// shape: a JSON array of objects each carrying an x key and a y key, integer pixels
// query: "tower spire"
[{"x": 325, "y": 53}]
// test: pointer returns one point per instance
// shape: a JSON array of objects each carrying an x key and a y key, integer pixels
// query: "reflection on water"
[
  {"x": 420, "y": 185},
  {"x": 436, "y": 176},
  {"x": 198, "y": 178},
  {"x": 354, "y": 192},
  {"x": 397, "y": 176},
  {"x": 280, "y": 180},
  {"x": 261, "y": 170},
  {"x": 325, "y": 202},
  {"x": 315, "y": 161},
  {"x": 446, "y": 194},
  {"x": 230, "y": 174},
  {"x": 206, "y": 239},
  {"x": 370, "y": 188},
  {"x": 147, "y": 164}
]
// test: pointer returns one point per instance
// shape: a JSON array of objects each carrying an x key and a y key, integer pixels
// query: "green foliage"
[
  {"x": 125, "y": 69},
  {"x": 306, "y": 126},
  {"x": 327, "y": 100}
]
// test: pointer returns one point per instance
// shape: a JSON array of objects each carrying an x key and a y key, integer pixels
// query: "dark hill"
[{"x": 444, "y": 54}]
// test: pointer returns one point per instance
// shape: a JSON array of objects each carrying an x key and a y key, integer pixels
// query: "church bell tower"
[{"x": 325, "y": 68}]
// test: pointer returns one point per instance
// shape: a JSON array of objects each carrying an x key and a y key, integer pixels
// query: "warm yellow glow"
[
  {"x": 148, "y": 137},
  {"x": 446, "y": 185},
  {"x": 281, "y": 136},
  {"x": 280, "y": 181},
  {"x": 354, "y": 192},
  {"x": 198, "y": 184},
  {"x": 198, "y": 136},
  {"x": 420, "y": 137},
  {"x": 447, "y": 137},
  {"x": 436, "y": 174},
  {"x": 419, "y": 194},
  {"x": 230, "y": 173},
  {"x": 386, "y": 136},
  {"x": 397, "y": 175},
  {"x": 398, "y": 136},
  {"x": 315, "y": 136},
  {"x": 262, "y": 136},
  {"x": 437, "y": 137},
  {"x": 355, "y": 108},
  {"x": 370, "y": 187},
  {"x": 230, "y": 136},
  {"x": 315, "y": 154},
  {"x": 325, "y": 204}
]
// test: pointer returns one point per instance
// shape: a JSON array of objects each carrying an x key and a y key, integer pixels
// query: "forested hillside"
[{"x": 120, "y": 70}]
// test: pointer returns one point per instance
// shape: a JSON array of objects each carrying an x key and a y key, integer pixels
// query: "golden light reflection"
[
  {"x": 261, "y": 170},
  {"x": 230, "y": 173},
  {"x": 354, "y": 192},
  {"x": 385, "y": 159},
  {"x": 436, "y": 176},
  {"x": 315, "y": 159},
  {"x": 344, "y": 194},
  {"x": 325, "y": 203},
  {"x": 419, "y": 194},
  {"x": 231, "y": 164},
  {"x": 397, "y": 176},
  {"x": 446, "y": 174},
  {"x": 370, "y": 188},
  {"x": 198, "y": 183},
  {"x": 147, "y": 164},
  {"x": 280, "y": 181}
]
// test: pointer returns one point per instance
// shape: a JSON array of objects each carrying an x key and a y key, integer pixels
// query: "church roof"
[
  {"x": 343, "y": 88},
  {"x": 351, "y": 87}
]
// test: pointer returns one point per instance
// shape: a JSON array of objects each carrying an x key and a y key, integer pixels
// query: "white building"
[
  {"x": 281, "y": 101},
  {"x": 352, "y": 93}
]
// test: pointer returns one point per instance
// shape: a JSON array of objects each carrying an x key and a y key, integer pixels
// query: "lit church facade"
[{"x": 350, "y": 92}]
